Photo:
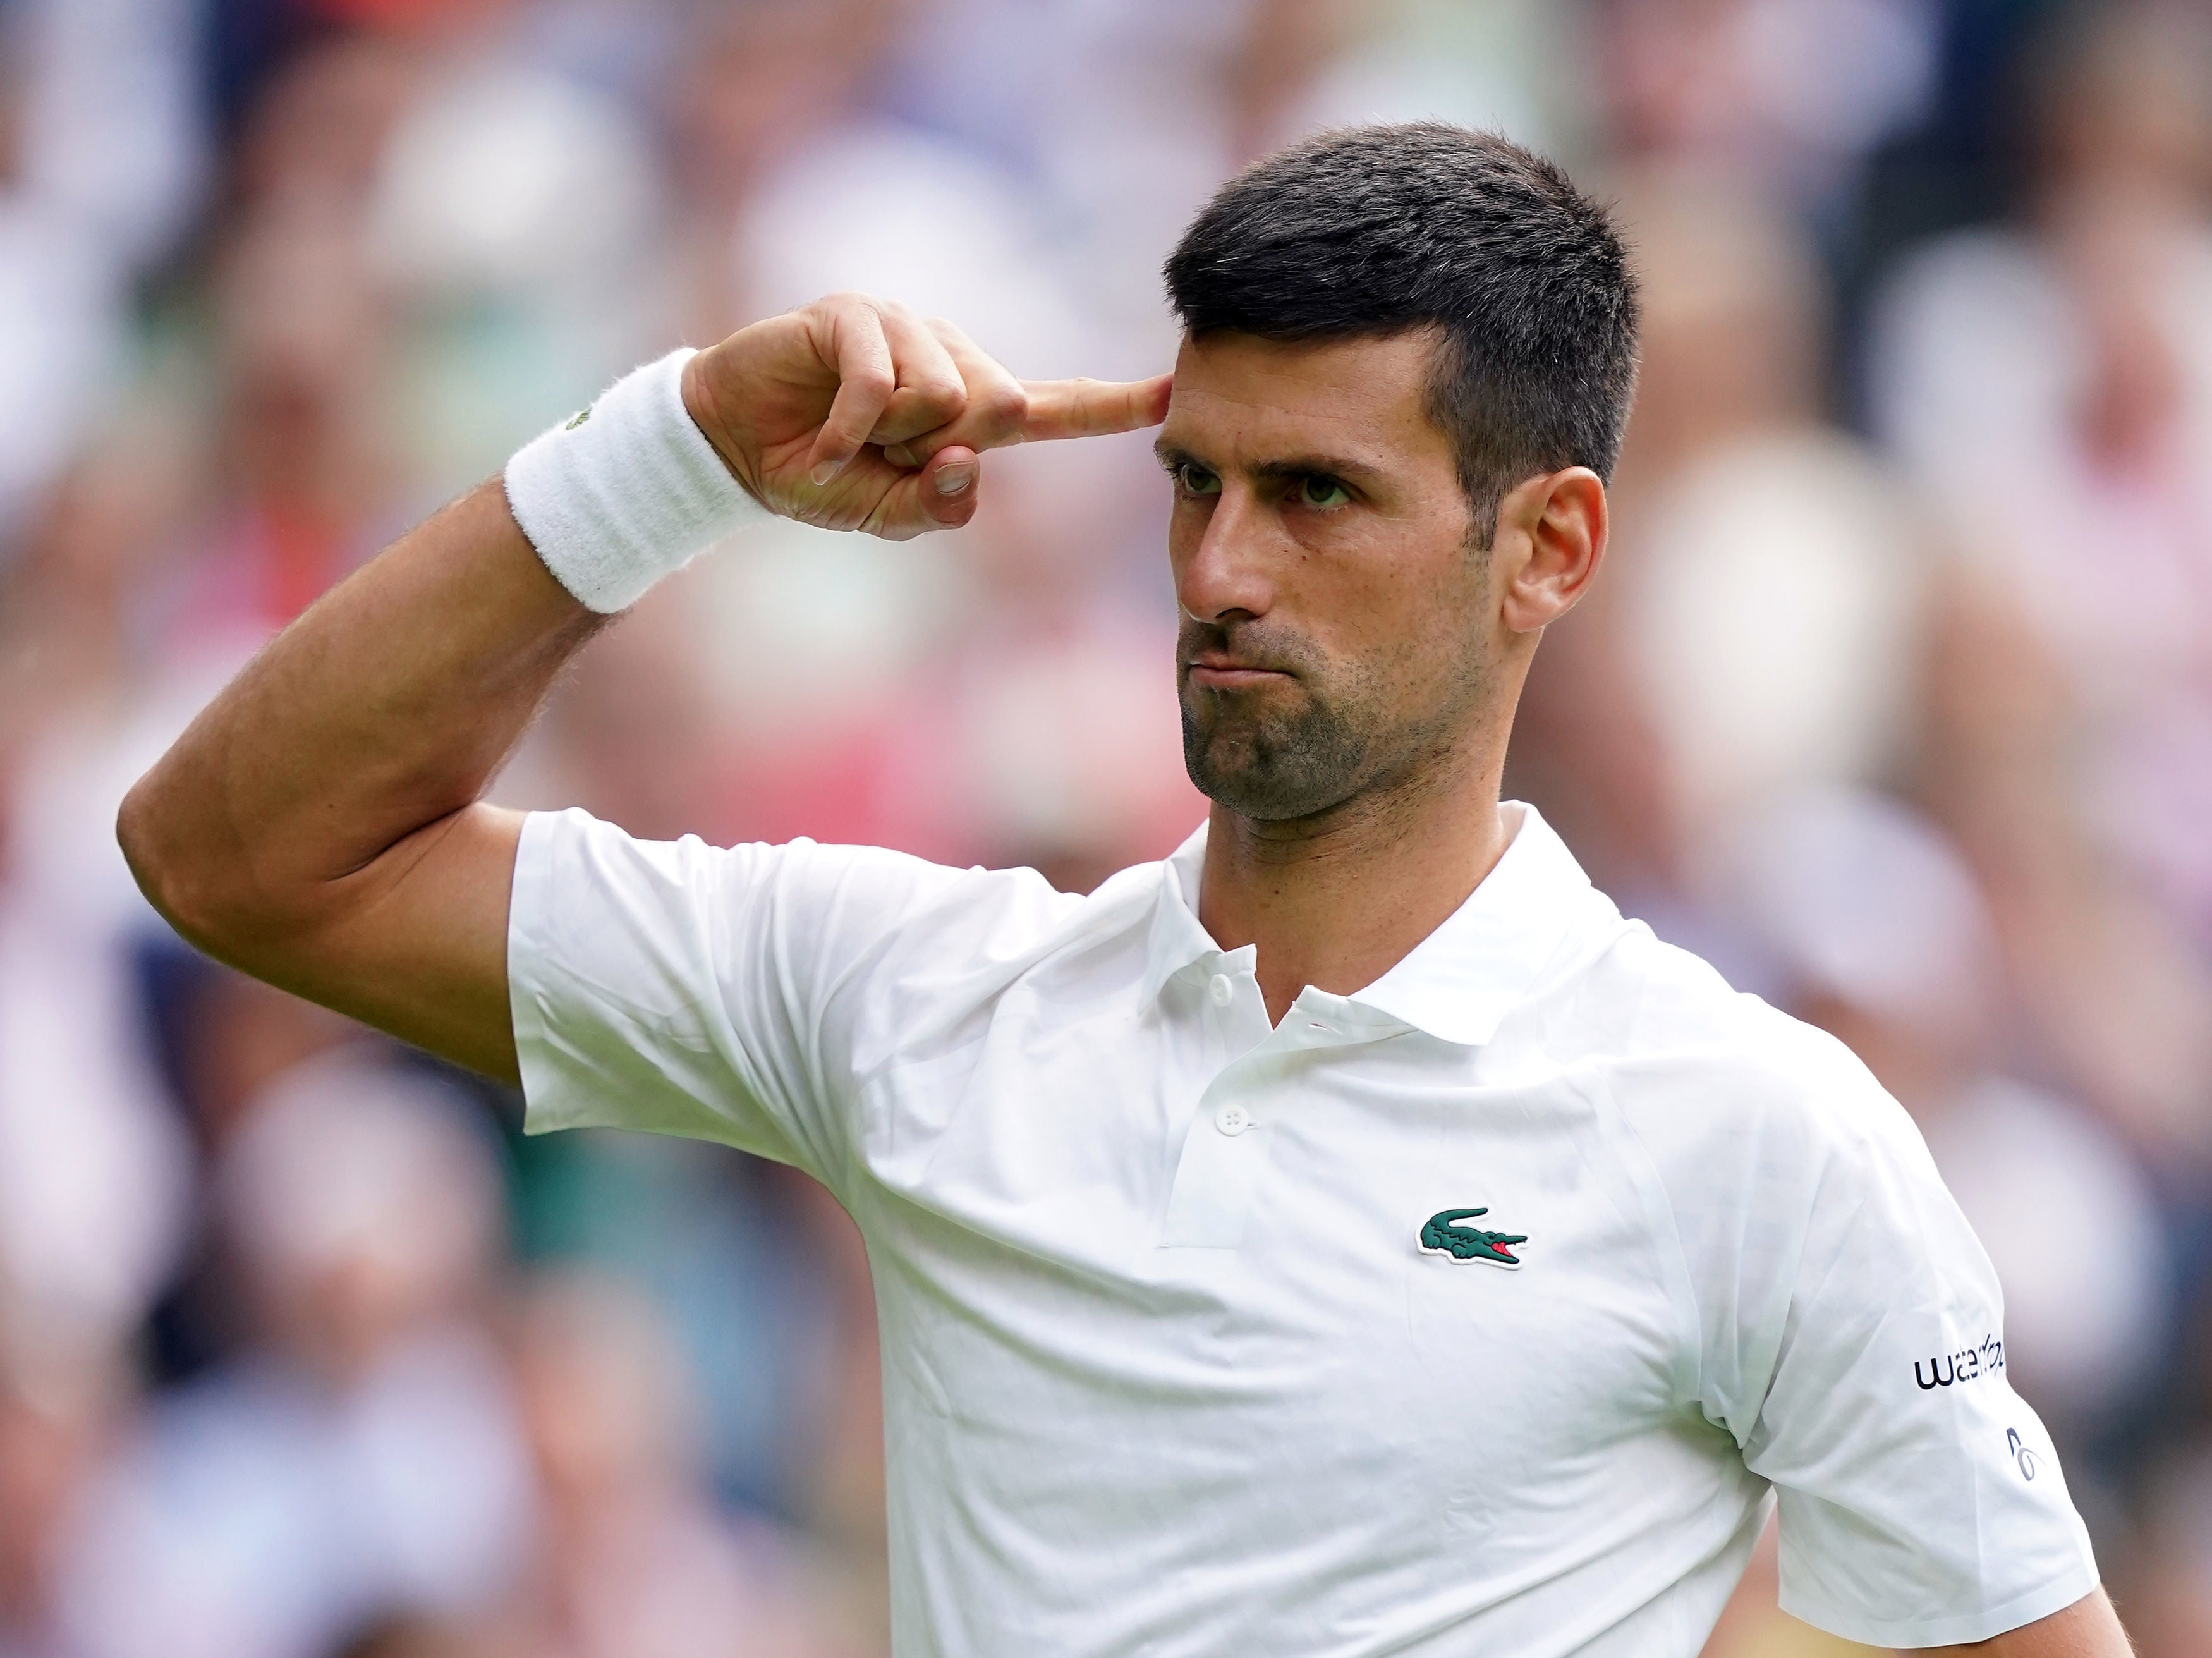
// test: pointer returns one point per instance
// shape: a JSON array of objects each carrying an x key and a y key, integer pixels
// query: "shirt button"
[
  {"x": 1221, "y": 990},
  {"x": 1232, "y": 1119}
]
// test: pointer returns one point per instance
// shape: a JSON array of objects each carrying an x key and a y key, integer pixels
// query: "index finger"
[{"x": 1089, "y": 408}]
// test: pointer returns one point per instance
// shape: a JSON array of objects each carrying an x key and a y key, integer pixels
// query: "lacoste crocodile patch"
[{"x": 1441, "y": 1235}]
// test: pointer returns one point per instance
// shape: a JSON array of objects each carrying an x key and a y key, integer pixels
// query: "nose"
[{"x": 1221, "y": 561}]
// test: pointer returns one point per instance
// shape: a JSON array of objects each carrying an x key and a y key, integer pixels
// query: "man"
[{"x": 1348, "y": 1236}]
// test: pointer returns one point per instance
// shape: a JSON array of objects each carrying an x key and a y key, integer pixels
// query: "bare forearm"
[{"x": 350, "y": 754}]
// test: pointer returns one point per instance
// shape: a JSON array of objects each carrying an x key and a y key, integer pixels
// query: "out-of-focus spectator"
[
  {"x": 636, "y": 1562},
  {"x": 59, "y": 1398},
  {"x": 95, "y": 1170},
  {"x": 367, "y": 1455},
  {"x": 2050, "y": 384},
  {"x": 938, "y": 691},
  {"x": 1304, "y": 64},
  {"x": 1773, "y": 576},
  {"x": 101, "y": 158},
  {"x": 1795, "y": 93},
  {"x": 516, "y": 216},
  {"x": 414, "y": 1635},
  {"x": 305, "y": 456}
]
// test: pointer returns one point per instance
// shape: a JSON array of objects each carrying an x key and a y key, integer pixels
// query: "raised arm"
[{"x": 321, "y": 825}]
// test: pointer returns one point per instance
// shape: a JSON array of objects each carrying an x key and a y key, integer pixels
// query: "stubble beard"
[
  {"x": 1333, "y": 735},
  {"x": 1294, "y": 751},
  {"x": 1273, "y": 768}
]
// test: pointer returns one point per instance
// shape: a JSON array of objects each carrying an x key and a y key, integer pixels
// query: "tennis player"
[{"x": 1348, "y": 1236}]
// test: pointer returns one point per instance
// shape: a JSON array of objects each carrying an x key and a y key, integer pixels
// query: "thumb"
[{"x": 948, "y": 486}]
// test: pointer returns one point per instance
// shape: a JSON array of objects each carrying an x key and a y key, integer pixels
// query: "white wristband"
[{"x": 628, "y": 491}]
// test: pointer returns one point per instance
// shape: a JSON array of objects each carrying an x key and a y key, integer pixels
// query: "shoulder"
[
  {"x": 941, "y": 948},
  {"x": 984, "y": 922},
  {"x": 952, "y": 912},
  {"x": 1775, "y": 1167},
  {"x": 828, "y": 924},
  {"x": 1727, "y": 1096},
  {"x": 799, "y": 882}
]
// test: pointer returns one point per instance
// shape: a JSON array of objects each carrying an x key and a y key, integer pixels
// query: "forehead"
[{"x": 1240, "y": 400}]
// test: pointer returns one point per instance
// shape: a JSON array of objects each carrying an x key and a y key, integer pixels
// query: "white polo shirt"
[{"x": 1203, "y": 1337}]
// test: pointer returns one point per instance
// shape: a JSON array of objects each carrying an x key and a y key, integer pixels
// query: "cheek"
[{"x": 1422, "y": 613}]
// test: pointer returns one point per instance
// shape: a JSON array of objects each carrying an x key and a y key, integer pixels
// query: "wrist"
[
  {"x": 707, "y": 413},
  {"x": 629, "y": 491}
]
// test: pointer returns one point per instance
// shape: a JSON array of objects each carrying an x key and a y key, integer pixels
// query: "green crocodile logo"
[
  {"x": 582, "y": 415},
  {"x": 1441, "y": 1237}
]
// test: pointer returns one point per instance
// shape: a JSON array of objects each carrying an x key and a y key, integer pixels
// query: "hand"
[{"x": 853, "y": 414}]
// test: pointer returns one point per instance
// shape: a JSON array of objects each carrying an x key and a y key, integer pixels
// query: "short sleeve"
[
  {"x": 1854, "y": 1344},
  {"x": 681, "y": 988}
]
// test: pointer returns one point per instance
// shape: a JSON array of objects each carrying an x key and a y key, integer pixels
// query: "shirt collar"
[
  {"x": 1459, "y": 982},
  {"x": 1176, "y": 941}
]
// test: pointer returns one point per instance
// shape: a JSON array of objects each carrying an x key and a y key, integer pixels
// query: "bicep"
[{"x": 414, "y": 942}]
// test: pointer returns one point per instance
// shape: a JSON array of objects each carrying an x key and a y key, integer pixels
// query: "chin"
[{"x": 1253, "y": 780}]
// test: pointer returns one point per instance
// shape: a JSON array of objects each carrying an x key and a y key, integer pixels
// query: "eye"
[
  {"x": 1322, "y": 492},
  {"x": 1194, "y": 479}
]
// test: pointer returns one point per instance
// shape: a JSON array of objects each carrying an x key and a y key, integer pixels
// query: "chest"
[{"x": 1360, "y": 1245}]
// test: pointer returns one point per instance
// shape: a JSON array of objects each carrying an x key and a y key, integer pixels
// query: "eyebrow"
[{"x": 1279, "y": 470}]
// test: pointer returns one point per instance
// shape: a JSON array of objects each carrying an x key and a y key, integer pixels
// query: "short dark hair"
[{"x": 1374, "y": 230}]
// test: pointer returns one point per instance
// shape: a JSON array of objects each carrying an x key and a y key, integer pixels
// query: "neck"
[{"x": 1336, "y": 900}]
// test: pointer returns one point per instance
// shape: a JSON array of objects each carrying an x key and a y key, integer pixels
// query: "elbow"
[
  {"x": 153, "y": 860},
  {"x": 223, "y": 893},
  {"x": 184, "y": 886}
]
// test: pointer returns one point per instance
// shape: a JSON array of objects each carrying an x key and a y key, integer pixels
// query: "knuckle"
[{"x": 1007, "y": 406}]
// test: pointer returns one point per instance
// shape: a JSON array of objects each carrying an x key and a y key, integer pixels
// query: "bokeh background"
[{"x": 1896, "y": 701}]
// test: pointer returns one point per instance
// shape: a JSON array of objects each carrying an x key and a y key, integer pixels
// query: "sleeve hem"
[
  {"x": 539, "y": 1114},
  {"x": 1959, "y": 1630}
]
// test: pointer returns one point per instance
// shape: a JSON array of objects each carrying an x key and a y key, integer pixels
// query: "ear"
[{"x": 1551, "y": 539}]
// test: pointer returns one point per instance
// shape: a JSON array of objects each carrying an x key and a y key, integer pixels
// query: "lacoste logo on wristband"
[
  {"x": 579, "y": 417},
  {"x": 1441, "y": 1236}
]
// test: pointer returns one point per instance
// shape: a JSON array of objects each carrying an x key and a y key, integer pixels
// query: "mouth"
[{"x": 1217, "y": 671}]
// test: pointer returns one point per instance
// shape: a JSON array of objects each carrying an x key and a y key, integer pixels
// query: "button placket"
[
  {"x": 1221, "y": 1161},
  {"x": 1224, "y": 1159}
]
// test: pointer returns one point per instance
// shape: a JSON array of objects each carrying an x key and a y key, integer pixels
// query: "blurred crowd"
[{"x": 1895, "y": 701}]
